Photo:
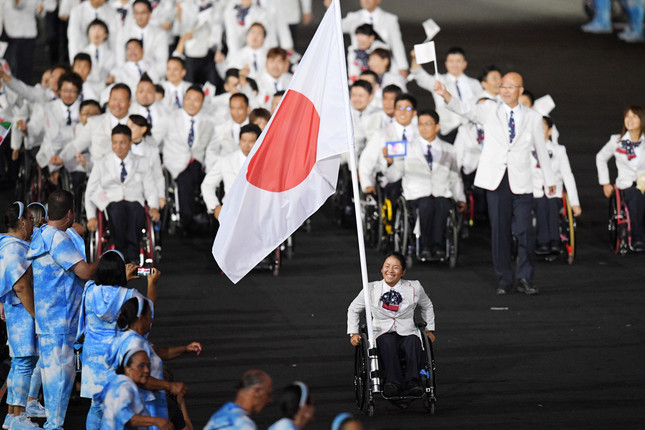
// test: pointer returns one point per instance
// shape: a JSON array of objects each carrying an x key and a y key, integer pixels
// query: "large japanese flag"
[{"x": 293, "y": 167}]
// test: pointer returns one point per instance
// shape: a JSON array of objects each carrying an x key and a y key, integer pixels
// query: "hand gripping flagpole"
[{"x": 373, "y": 357}]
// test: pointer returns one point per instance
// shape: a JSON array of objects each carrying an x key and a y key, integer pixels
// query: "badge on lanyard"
[{"x": 397, "y": 148}]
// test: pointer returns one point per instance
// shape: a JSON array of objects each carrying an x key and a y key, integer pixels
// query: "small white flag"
[
  {"x": 425, "y": 53},
  {"x": 544, "y": 105},
  {"x": 431, "y": 28}
]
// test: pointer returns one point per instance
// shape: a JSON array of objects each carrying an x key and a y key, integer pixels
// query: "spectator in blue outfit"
[
  {"x": 59, "y": 272},
  {"x": 135, "y": 319},
  {"x": 16, "y": 296},
  {"x": 254, "y": 392},
  {"x": 296, "y": 407},
  {"x": 101, "y": 303},
  {"x": 123, "y": 403},
  {"x": 346, "y": 421}
]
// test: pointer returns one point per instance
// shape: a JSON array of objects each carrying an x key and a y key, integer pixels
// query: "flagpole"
[{"x": 374, "y": 366}]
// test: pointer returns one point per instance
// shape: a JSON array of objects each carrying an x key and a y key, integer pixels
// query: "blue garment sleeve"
[{"x": 64, "y": 252}]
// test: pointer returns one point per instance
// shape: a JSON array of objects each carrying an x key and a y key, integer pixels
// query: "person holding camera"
[{"x": 101, "y": 303}]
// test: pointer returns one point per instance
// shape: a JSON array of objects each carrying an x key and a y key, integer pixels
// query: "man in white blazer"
[
  {"x": 146, "y": 106},
  {"x": 80, "y": 18},
  {"x": 189, "y": 134},
  {"x": 430, "y": 180},
  {"x": 226, "y": 169},
  {"x": 393, "y": 302},
  {"x": 121, "y": 183},
  {"x": 174, "y": 86},
  {"x": 467, "y": 89},
  {"x": 227, "y": 134},
  {"x": 512, "y": 132}
]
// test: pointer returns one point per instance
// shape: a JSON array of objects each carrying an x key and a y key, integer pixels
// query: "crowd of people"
[{"x": 145, "y": 94}]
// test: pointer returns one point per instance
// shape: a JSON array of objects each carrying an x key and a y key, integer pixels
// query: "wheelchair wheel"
[
  {"x": 37, "y": 186},
  {"x": 170, "y": 213},
  {"x": 401, "y": 227},
  {"x": 428, "y": 374},
  {"x": 386, "y": 225},
  {"x": 364, "y": 399},
  {"x": 276, "y": 262},
  {"x": 24, "y": 178},
  {"x": 568, "y": 229},
  {"x": 452, "y": 237},
  {"x": 619, "y": 225}
]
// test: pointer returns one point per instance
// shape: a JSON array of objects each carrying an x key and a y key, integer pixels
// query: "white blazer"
[
  {"x": 20, "y": 18},
  {"x": 95, "y": 136},
  {"x": 236, "y": 33},
  {"x": 384, "y": 320},
  {"x": 81, "y": 16},
  {"x": 158, "y": 114},
  {"x": 104, "y": 185},
  {"x": 155, "y": 46},
  {"x": 57, "y": 135},
  {"x": 627, "y": 172},
  {"x": 467, "y": 148},
  {"x": 149, "y": 150},
  {"x": 171, "y": 93},
  {"x": 498, "y": 154},
  {"x": 226, "y": 170},
  {"x": 444, "y": 180},
  {"x": 562, "y": 172}
]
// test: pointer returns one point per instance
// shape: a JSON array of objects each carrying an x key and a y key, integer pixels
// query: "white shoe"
[
  {"x": 596, "y": 28},
  {"x": 23, "y": 423},
  {"x": 35, "y": 409},
  {"x": 630, "y": 36},
  {"x": 7, "y": 422}
]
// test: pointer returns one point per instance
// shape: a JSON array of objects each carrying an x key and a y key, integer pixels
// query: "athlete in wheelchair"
[
  {"x": 627, "y": 201},
  {"x": 120, "y": 185},
  {"x": 431, "y": 181},
  {"x": 393, "y": 301}
]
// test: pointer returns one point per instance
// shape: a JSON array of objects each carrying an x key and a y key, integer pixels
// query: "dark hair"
[
  {"x": 63, "y": 66},
  {"x": 145, "y": 2},
  {"x": 72, "y": 78},
  {"x": 290, "y": 400},
  {"x": 179, "y": 60},
  {"x": 242, "y": 96},
  {"x": 548, "y": 121},
  {"x": 250, "y": 128},
  {"x": 530, "y": 95},
  {"x": 121, "y": 369},
  {"x": 11, "y": 216},
  {"x": 89, "y": 102},
  {"x": 408, "y": 97},
  {"x": 456, "y": 50},
  {"x": 257, "y": 24},
  {"x": 121, "y": 86},
  {"x": 251, "y": 378},
  {"x": 83, "y": 56},
  {"x": 134, "y": 40},
  {"x": 60, "y": 202},
  {"x": 128, "y": 313},
  {"x": 368, "y": 73},
  {"x": 383, "y": 54},
  {"x": 639, "y": 112},
  {"x": 122, "y": 129},
  {"x": 277, "y": 52},
  {"x": 486, "y": 70},
  {"x": 232, "y": 73},
  {"x": 366, "y": 29},
  {"x": 398, "y": 256},
  {"x": 141, "y": 121},
  {"x": 259, "y": 113},
  {"x": 196, "y": 87},
  {"x": 159, "y": 89},
  {"x": 279, "y": 93},
  {"x": 392, "y": 89},
  {"x": 38, "y": 213},
  {"x": 111, "y": 270},
  {"x": 145, "y": 77},
  {"x": 429, "y": 112},
  {"x": 252, "y": 84},
  {"x": 362, "y": 84},
  {"x": 99, "y": 23}
]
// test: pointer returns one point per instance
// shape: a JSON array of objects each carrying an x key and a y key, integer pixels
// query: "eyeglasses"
[{"x": 406, "y": 108}]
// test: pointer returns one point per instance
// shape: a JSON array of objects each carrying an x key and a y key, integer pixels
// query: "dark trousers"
[
  {"x": 393, "y": 191},
  {"x": 635, "y": 201},
  {"x": 127, "y": 219},
  {"x": 510, "y": 214},
  {"x": 479, "y": 194},
  {"x": 200, "y": 70},
  {"x": 20, "y": 56},
  {"x": 547, "y": 216},
  {"x": 391, "y": 347},
  {"x": 433, "y": 212},
  {"x": 56, "y": 37},
  {"x": 450, "y": 136},
  {"x": 188, "y": 184}
]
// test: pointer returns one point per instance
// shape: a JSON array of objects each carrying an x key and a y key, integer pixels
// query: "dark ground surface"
[{"x": 570, "y": 357}]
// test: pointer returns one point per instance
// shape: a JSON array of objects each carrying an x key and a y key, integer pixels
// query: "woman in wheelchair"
[
  {"x": 121, "y": 183},
  {"x": 630, "y": 164},
  {"x": 393, "y": 301}
]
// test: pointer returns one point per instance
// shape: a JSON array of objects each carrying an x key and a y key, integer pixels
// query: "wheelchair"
[
  {"x": 567, "y": 229},
  {"x": 368, "y": 379},
  {"x": 407, "y": 234},
  {"x": 170, "y": 214},
  {"x": 99, "y": 241},
  {"x": 372, "y": 211},
  {"x": 342, "y": 200},
  {"x": 619, "y": 226}
]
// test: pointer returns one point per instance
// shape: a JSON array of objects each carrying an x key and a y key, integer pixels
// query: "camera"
[{"x": 143, "y": 271}]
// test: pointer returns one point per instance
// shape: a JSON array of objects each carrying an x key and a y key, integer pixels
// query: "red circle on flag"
[{"x": 288, "y": 152}]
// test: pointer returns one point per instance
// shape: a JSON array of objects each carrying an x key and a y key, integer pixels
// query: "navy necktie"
[
  {"x": 69, "y": 117},
  {"x": 458, "y": 90},
  {"x": 139, "y": 69},
  {"x": 362, "y": 58},
  {"x": 403, "y": 136},
  {"x": 122, "y": 11},
  {"x": 255, "y": 61},
  {"x": 177, "y": 102},
  {"x": 96, "y": 54},
  {"x": 511, "y": 128},
  {"x": 123, "y": 172},
  {"x": 149, "y": 116},
  {"x": 429, "y": 156},
  {"x": 191, "y": 133}
]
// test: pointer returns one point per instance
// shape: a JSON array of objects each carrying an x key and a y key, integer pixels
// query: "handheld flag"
[
  {"x": 293, "y": 167},
  {"x": 5, "y": 127},
  {"x": 425, "y": 53}
]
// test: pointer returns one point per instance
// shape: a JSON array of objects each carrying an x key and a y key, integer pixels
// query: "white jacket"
[
  {"x": 627, "y": 172},
  {"x": 226, "y": 170},
  {"x": 562, "y": 171}
]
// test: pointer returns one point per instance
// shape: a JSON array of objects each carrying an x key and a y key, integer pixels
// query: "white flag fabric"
[{"x": 293, "y": 167}]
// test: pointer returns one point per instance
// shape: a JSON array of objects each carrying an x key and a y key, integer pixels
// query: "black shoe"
[
  {"x": 555, "y": 248},
  {"x": 391, "y": 389},
  {"x": 414, "y": 388},
  {"x": 638, "y": 246},
  {"x": 426, "y": 255},
  {"x": 502, "y": 289},
  {"x": 542, "y": 250},
  {"x": 526, "y": 286},
  {"x": 438, "y": 254}
]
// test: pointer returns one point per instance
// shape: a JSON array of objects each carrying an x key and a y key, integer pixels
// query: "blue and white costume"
[
  {"x": 230, "y": 417},
  {"x": 128, "y": 340},
  {"x": 20, "y": 325},
  {"x": 100, "y": 307},
  {"x": 284, "y": 424},
  {"x": 121, "y": 399},
  {"x": 57, "y": 298}
]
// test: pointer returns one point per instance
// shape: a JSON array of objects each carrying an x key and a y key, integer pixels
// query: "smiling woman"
[{"x": 393, "y": 301}]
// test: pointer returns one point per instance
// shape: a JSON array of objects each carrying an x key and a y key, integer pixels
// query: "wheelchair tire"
[
  {"x": 430, "y": 397},
  {"x": 276, "y": 262},
  {"x": 568, "y": 230},
  {"x": 361, "y": 377},
  {"x": 65, "y": 180},
  {"x": 401, "y": 227},
  {"x": 453, "y": 238}
]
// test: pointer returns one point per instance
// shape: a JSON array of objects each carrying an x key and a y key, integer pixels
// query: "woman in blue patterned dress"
[
  {"x": 122, "y": 401},
  {"x": 17, "y": 296},
  {"x": 102, "y": 301}
]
